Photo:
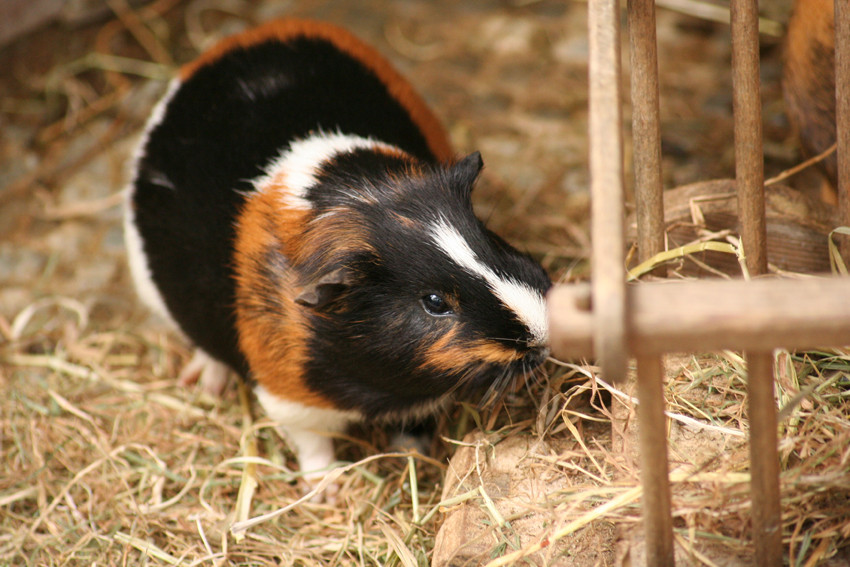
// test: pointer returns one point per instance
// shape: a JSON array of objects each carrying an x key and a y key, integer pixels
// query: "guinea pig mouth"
[
  {"x": 495, "y": 378},
  {"x": 535, "y": 357}
]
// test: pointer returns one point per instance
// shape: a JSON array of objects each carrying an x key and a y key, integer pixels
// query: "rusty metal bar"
[
  {"x": 606, "y": 186},
  {"x": 749, "y": 161},
  {"x": 842, "y": 116},
  {"x": 652, "y": 427},
  {"x": 764, "y": 460},
  {"x": 646, "y": 131}
]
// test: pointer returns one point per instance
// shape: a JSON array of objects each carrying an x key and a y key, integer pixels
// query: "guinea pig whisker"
[
  {"x": 465, "y": 378},
  {"x": 474, "y": 373},
  {"x": 518, "y": 343},
  {"x": 532, "y": 377},
  {"x": 507, "y": 340},
  {"x": 498, "y": 387}
]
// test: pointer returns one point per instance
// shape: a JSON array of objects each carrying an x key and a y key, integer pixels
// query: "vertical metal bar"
[
  {"x": 842, "y": 116},
  {"x": 606, "y": 185},
  {"x": 646, "y": 131},
  {"x": 764, "y": 461},
  {"x": 749, "y": 161},
  {"x": 657, "y": 519}
]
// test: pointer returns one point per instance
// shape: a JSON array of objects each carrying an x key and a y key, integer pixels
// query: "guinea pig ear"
[
  {"x": 318, "y": 293},
  {"x": 465, "y": 172}
]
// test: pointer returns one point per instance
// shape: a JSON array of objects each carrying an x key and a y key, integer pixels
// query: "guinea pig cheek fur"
[{"x": 451, "y": 354}]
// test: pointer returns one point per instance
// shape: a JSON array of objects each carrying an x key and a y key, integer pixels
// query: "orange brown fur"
[
  {"x": 443, "y": 355},
  {"x": 274, "y": 355},
  {"x": 406, "y": 222},
  {"x": 286, "y": 29},
  {"x": 809, "y": 78},
  {"x": 340, "y": 229}
]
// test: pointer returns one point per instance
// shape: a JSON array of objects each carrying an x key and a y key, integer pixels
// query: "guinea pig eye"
[{"x": 436, "y": 305}]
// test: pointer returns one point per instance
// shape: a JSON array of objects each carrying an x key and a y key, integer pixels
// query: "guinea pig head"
[{"x": 406, "y": 296}]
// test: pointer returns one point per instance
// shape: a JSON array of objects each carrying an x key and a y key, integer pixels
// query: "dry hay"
[{"x": 107, "y": 462}]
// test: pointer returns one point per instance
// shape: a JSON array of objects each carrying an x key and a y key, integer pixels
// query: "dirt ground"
[{"x": 88, "y": 373}]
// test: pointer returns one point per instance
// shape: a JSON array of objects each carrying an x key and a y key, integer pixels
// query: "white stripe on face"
[
  {"x": 298, "y": 166},
  {"x": 527, "y": 303}
]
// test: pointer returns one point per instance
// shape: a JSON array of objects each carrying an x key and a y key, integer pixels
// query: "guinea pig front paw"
[
  {"x": 211, "y": 373},
  {"x": 315, "y": 453}
]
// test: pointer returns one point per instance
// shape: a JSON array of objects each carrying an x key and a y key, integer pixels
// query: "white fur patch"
[
  {"x": 298, "y": 166},
  {"x": 139, "y": 270},
  {"x": 306, "y": 428},
  {"x": 528, "y": 304}
]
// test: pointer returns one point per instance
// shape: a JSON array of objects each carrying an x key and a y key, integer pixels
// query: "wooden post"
[
  {"x": 649, "y": 202},
  {"x": 606, "y": 186},
  {"x": 842, "y": 117},
  {"x": 652, "y": 428},
  {"x": 646, "y": 131},
  {"x": 749, "y": 160},
  {"x": 764, "y": 460},
  {"x": 749, "y": 176}
]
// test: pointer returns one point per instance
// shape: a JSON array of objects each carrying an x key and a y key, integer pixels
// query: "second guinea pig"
[
  {"x": 808, "y": 80},
  {"x": 297, "y": 212}
]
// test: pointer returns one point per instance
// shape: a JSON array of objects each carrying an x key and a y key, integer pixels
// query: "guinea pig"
[
  {"x": 808, "y": 81},
  {"x": 297, "y": 212}
]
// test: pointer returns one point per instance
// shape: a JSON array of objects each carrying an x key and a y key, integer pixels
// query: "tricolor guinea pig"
[
  {"x": 297, "y": 212},
  {"x": 808, "y": 81}
]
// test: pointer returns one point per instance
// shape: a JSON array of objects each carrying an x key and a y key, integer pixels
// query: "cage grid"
[{"x": 612, "y": 321}]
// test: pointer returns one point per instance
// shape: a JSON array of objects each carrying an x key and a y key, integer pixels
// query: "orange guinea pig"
[
  {"x": 809, "y": 78},
  {"x": 297, "y": 212}
]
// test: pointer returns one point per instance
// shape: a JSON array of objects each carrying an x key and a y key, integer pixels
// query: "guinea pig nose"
[{"x": 538, "y": 343}]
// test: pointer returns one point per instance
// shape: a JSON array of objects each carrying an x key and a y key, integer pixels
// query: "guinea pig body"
[
  {"x": 808, "y": 80},
  {"x": 296, "y": 212}
]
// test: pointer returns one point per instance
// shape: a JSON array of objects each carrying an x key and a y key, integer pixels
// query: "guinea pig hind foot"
[
  {"x": 211, "y": 373},
  {"x": 416, "y": 437}
]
